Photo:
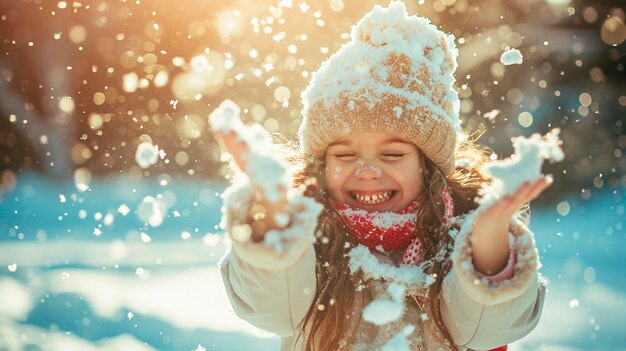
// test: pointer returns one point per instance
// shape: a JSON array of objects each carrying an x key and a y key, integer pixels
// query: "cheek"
[
  {"x": 417, "y": 182},
  {"x": 411, "y": 181},
  {"x": 336, "y": 176},
  {"x": 336, "y": 172}
]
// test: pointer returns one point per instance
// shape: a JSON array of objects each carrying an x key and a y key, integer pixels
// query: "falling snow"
[
  {"x": 383, "y": 311},
  {"x": 98, "y": 220},
  {"x": 147, "y": 154},
  {"x": 524, "y": 165},
  {"x": 511, "y": 57}
]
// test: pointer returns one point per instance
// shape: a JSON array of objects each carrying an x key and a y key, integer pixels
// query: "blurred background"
[{"x": 110, "y": 178}]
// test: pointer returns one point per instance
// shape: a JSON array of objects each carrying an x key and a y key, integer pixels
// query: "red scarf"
[{"x": 390, "y": 231}]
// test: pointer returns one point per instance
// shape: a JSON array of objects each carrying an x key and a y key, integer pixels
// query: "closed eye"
[
  {"x": 392, "y": 156},
  {"x": 346, "y": 157}
]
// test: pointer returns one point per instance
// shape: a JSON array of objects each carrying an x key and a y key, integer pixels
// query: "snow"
[
  {"x": 203, "y": 73},
  {"x": 152, "y": 210},
  {"x": 161, "y": 79},
  {"x": 15, "y": 300},
  {"x": 145, "y": 238},
  {"x": 123, "y": 209},
  {"x": 269, "y": 173},
  {"x": 396, "y": 291},
  {"x": 303, "y": 7},
  {"x": 412, "y": 277},
  {"x": 263, "y": 167},
  {"x": 491, "y": 115},
  {"x": 511, "y": 57},
  {"x": 190, "y": 305},
  {"x": 378, "y": 34},
  {"x": 51, "y": 339},
  {"x": 363, "y": 166},
  {"x": 225, "y": 119},
  {"x": 282, "y": 219},
  {"x": 384, "y": 220},
  {"x": 399, "y": 341},
  {"x": 524, "y": 165},
  {"x": 146, "y": 155},
  {"x": 398, "y": 110},
  {"x": 382, "y": 311},
  {"x": 130, "y": 82},
  {"x": 463, "y": 163},
  {"x": 56, "y": 267},
  {"x": 304, "y": 213}
]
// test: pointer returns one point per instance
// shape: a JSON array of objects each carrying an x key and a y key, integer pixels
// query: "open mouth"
[{"x": 373, "y": 198}]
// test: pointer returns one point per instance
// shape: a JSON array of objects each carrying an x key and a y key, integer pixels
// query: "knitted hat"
[{"x": 395, "y": 76}]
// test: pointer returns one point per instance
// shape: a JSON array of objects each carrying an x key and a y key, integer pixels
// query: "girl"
[{"x": 377, "y": 242}]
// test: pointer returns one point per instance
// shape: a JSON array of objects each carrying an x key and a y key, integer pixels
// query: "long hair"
[{"x": 327, "y": 324}]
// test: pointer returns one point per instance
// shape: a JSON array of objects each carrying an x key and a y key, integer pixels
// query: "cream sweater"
[{"x": 272, "y": 286}]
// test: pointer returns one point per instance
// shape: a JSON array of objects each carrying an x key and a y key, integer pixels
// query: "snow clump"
[
  {"x": 399, "y": 342},
  {"x": 383, "y": 311},
  {"x": 262, "y": 167},
  {"x": 362, "y": 259},
  {"x": 152, "y": 210},
  {"x": 146, "y": 155},
  {"x": 511, "y": 57},
  {"x": 524, "y": 165}
]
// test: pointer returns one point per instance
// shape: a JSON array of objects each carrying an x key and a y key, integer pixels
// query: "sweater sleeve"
[
  {"x": 482, "y": 313},
  {"x": 270, "y": 284}
]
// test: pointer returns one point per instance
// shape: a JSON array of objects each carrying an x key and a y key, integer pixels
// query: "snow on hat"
[{"x": 394, "y": 76}]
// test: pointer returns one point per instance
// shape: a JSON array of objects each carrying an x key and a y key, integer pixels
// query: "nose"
[{"x": 366, "y": 170}]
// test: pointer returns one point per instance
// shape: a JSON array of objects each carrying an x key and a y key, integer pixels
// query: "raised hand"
[
  {"x": 250, "y": 148},
  {"x": 490, "y": 245},
  {"x": 230, "y": 143}
]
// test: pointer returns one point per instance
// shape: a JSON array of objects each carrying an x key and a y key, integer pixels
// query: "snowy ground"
[{"x": 73, "y": 278}]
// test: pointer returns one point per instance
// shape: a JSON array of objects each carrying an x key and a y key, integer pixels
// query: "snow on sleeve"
[
  {"x": 511, "y": 57},
  {"x": 304, "y": 213},
  {"x": 384, "y": 310},
  {"x": 263, "y": 168},
  {"x": 269, "y": 172},
  {"x": 399, "y": 342},
  {"x": 524, "y": 165},
  {"x": 289, "y": 243}
]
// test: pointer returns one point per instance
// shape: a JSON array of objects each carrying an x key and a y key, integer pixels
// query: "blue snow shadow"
[{"x": 70, "y": 312}]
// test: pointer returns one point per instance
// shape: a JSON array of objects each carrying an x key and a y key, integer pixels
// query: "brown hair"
[{"x": 326, "y": 324}]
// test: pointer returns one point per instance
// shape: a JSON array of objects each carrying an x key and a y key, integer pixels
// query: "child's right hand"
[
  {"x": 270, "y": 210},
  {"x": 236, "y": 148}
]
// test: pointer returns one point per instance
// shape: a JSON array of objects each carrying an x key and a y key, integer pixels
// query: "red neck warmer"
[{"x": 389, "y": 231}]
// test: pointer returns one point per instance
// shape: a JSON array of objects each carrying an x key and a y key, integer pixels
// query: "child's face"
[{"x": 375, "y": 172}]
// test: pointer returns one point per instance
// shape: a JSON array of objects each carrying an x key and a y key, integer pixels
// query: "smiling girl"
[{"x": 379, "y": 211}]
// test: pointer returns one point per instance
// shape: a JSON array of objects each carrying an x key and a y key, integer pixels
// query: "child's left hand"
[
  {"x": 499, "y": 214},
  {"x": 490, "y": 228}
]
